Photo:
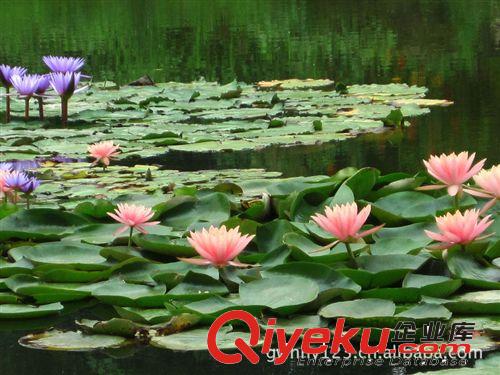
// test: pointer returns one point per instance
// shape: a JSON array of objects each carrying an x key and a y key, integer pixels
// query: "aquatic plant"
[
  {"x": 65, "y": 85},
  {"x": 14, "y": 182},
  {"x": 133, "y": 217},
  {"x": 103, "y": 152},
  {"x": 459, "y": 229},
  {"x": 6, "y": 73},
  {"x": 26, "y": 86},
  {"x": 344, "y": 222},
  {"x": 62, "y": 64},
  {"x": 488, "y": 181},
  {"x": 452, "y": 170},
  {"x": 28, "y": 188},
  {"x": 218, "y": 246}
]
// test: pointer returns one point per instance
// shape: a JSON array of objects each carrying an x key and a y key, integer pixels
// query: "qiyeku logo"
[{"x": 313, "y": 341}]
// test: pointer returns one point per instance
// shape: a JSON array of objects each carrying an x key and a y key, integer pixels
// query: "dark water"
[{"x": 452, "y": 47}]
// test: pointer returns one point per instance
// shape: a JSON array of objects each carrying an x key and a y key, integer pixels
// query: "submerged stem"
[
  {"x": 40, "y": 108},
  {"x": 351, "y": 255},
  {"x": 27, "y": 108},
  {"x": 64, "y": 112}
]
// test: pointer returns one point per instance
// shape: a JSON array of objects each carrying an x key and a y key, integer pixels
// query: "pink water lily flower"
[
  {"x": 488, "y": 181},
  {"x": 218, "y": 246},
  {"x": 452, "y": 170},
  {"x": 133, "y": 217},
  {"x": 4, "y": 173},
  {"x": 459, "y": 229},
  {"x": 344, "y": 222},
  {"x": 103, "y": 152}
]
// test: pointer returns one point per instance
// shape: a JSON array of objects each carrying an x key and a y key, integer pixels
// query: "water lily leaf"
[
  {"x": 197, "y": 286},
  {"x": 209, "y": 309},
  {"x": 22, "y": 266},
  {"x": 330, "y": 282},
  {"x": 425, "y": 312},
  {"x": 483, "y": 302},
  {"x": 304, "y": 249},
  {"x": 145, "y": 316},
  {"x": 212, "y": 208},
  {"x": 283, "y": 294},
  {"x": 404, "y": 206},
  {"x": 44, "y": 292},
  {"x": 175, "y": 247},
  {"x": 71, "y": 341},
  {"x": 383, "y": 270},
  {"x": 77, "y": 255},
  {"x": 18, "y": 311},
  {"x": 401, "y": 240},
  {"x": 120, "y": 293},
  {"x": 297, "y": 322},
  {"x": 9, "y": 298},
  {"x": 39, "y": 224},
  {"x": 362, "y": 182},
  {"x": 196, "y": 339},
  {"x": 114, "y": 327},
  {"x": 463, "y": 266},
  {"x": 270, "y": 236},
  {"x": 96, "y": 234},
  {"x": 367, "y": 311},
  {"x": 432, "y": 285},
  {"x": 489, "y": 324},
  {"x": 172, "y": 274}
]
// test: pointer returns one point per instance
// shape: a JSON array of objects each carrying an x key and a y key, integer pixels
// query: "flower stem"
[
  {"x": 351, "y": 255},
  {"x": 15, "y": 197},
  {"x": 64, "y": 112},
  {"x": 27, "y": 108},
  {"x": 7, "y": 106},
  {"x": 27, "y": 202},
  {"x": 456, "y": 202},
  {"x": 40, "y": 108},
  {"x": 130, "y": 237}
]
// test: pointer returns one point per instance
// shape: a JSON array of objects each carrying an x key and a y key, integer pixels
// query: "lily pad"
[{"x": 71, "y": 341}]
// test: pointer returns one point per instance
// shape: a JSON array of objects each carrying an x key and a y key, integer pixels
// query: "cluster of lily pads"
[
  {"x": 149, "y": 122},
  {"x": 63, "y": 80},
  {"x": 169, "y": 268}
]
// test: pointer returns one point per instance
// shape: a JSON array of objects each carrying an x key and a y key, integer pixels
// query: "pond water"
[{"x": 451, "y": 47}]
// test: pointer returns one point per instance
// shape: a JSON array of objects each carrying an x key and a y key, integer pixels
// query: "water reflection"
[{"x": 449, "y": 46}]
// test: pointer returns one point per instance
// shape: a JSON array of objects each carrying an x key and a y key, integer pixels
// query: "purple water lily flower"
[
  {"x": 6, "y": 73},
  {"x": 26, "y": 86},
  {"x": 15, "y": 180},
  {"x": 20, "y": 181},
  {"x": 43, "y": 83},
  {"x": 30, "y": 186},
  {"x": 64, "y": 84},
  {"x": 5, "y": 166},
  {"x": 61, "y": 64}
]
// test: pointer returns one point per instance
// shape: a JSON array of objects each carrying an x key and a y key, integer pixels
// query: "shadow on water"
[{"x": 451, "y": 47}]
